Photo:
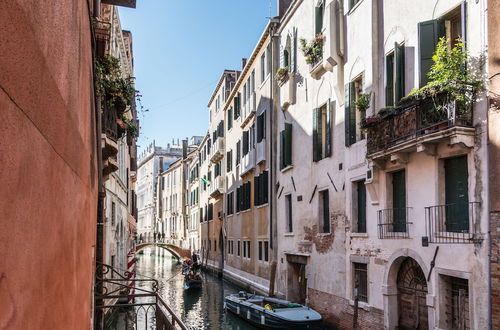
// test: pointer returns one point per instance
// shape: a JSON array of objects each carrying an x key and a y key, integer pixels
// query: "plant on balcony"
[
  {"x": 313, "y": 51},
  {"x": 451, "y": 74},
  {"x": 281, "y": 73},
  {"x": 363, "y": 102},
  {"x": 131, "y": 127},
  {"x": 118, "y": 91}
]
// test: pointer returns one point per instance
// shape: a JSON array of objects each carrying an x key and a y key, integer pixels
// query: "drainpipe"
[{"x": 272, "y": 162}]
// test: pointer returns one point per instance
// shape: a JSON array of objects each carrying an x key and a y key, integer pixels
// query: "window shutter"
[
  {"x": 389, "y": 87},
  {"x": 264, "y": 182},
  {"x": 429, "y": 33},
  {"x": 288, "y": 144},
  {"x": 260, "y": 128},
  {"x": 282, "y": 57},
  {"x": 316, "y": 148},
  {"x": 399, "y": 59},
  {"x": 256, "y": 190},
  {"x": 328, "y": 135},
  {"x": 350, "y": 114},
  {"x": 245, "y": 143},
  {"x": 282, "y": 150},
  {"x": 237, "y": 106},
  {"x": 463, "y": 18},
  {"x": 319, "y": 19},
  {"x": 347, "y": 114},
  {"x": 293, "y": 57}
]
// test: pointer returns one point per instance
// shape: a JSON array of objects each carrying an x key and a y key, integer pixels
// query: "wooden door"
[
  {"x": 456, "y": 194},
  {"x": 399, "y": 201},
  {"x": 412, "y": 292}
]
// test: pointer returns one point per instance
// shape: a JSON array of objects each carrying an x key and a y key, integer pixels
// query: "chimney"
[
  {"x": 283, "y": 6},
  {"x": 184, "y": 148},
  {"x": 243, "y": 63}
]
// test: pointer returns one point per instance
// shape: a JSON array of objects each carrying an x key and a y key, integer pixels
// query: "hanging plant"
[
  {"x": 281, "y": 73},
  {"x": 313, "y": 51},
  {"x": 110, "y": 84},
  {"x": 131, "y": 127}
]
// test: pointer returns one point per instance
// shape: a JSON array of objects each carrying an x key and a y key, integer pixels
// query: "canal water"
[{"x": 199, "y": 309}]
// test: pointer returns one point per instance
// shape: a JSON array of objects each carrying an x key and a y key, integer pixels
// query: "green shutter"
[
  {"x": 256, "y": 189},
  {"x": 347, "y": 114},
  {"x": 429, "y": 33},
  {"x": 288, "y": 144},
  {"x": 399, "y": 201},
  {"x": 293, "y": 57},
  {"x": 456, "y": 194},
  {"x": 319, "y": 19},
  {"x": 282, "y": 150},
  {"x": 389, "y": 73},
  {"x": 399, "y": 57},
  {"x": 350, "y": 114},
  {"x": 328, "y": 135},
  {"x": 316, "y": 136}
]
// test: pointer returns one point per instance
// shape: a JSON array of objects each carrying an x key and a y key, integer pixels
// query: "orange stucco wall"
[{"x": 48, "y": 172}]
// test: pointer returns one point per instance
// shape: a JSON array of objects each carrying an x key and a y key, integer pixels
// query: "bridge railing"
[{"x": 132, "y": 303}]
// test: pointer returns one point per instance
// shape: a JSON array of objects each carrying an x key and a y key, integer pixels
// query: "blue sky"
[{"x": 180, "y": 49}]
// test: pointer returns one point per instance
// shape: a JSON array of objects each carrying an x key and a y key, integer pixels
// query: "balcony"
[
  {"x": 393, "y": 223},
  {"x": 123, "y": 3},
  {"x": 247, "y": 162},
  {"x": 217, "y": 150},
  {"x": 420, "y": 125},
  {"x": 453, "y": 223},
  {"x": 216, "y": 188},
  {"x": 248, "y": 110}
]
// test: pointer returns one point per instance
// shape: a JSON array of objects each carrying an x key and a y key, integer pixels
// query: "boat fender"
[
  {"x": 238, "y": 310},
  {"x": 262, "y": 319},
  {"x": 248, "y": 314}
]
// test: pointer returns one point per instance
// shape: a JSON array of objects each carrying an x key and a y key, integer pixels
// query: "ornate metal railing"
[
  {"x": 110, "y": 122},
  {"x": 132, "y": 303},
  {"x": 453, "y": 223},
  {"x": 393, "y": 223},
  {"x": 417, "y": 119}
]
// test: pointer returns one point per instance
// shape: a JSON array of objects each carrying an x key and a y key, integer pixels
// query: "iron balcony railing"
[
  {"x": 393, "y": 223},
  {"x": 132, "y": 303},
  {"x": 453, "y": 223},
  {"x": 416, "y": 119}
]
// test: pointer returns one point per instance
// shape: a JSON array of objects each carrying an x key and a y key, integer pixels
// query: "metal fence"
[
  {"x": 393, "y": 223},
  {"x": 132, "y": 303},
  {"x": 453, "y": 223}
]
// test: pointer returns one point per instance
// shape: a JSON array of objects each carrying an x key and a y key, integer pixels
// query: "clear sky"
[{"x": 180, "y": 49}]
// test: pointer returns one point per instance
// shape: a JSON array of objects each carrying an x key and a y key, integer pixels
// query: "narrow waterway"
[{"x": 199, "y": 309}]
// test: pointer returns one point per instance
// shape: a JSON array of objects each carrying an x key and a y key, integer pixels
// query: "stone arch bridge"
[{"x": 177, "y": 252}]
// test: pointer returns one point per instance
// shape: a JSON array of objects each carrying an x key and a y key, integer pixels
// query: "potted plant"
[
  {"x": 363, "y": 102},
  {"x": 386, "y": 112},
  {"x": 281, "y": 74},
  {"x": 313, "y": 51}
]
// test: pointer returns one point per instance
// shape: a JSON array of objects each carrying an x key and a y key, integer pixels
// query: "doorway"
[{"x": 412, "y": 292}]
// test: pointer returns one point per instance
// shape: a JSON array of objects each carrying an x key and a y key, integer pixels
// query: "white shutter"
[
  {"x": 282, "y": 57},
  {"x": 293, "y": 55}
]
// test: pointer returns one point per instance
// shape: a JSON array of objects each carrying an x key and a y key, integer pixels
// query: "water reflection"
[{"x": 199, "y": 309}]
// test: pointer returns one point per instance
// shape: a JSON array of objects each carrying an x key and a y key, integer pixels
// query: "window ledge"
[
  {"x": 265, "y": 80},
  {"x": 261, "y": 206},
  {"x": 285, "y": 169},
  {"x": 324, "y": 234},
  {"x": 361, "y": 304},
  {"x": 359, "y": 235},
  {"x": 288, "y": 235}
]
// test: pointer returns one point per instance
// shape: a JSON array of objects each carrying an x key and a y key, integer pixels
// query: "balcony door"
[
  {"x": 456, "y": 194},
  {"x": 399, "y": 201}
]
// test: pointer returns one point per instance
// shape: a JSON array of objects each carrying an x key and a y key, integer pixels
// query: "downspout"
[{"x": 272, "y": 169}]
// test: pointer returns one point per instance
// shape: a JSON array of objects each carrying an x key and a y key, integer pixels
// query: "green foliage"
[
  {"x": 363, "y": 102},
  {"x": 313, "y": 51},
  {"x": 281, "y": 73},
  {"x": 111, "y": 84},
  {"x": 386, "y": 111},
  {"x": 132, "y": 128}
]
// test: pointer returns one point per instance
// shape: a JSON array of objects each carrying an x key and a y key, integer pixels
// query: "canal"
[{"x": 199, "y": 309}]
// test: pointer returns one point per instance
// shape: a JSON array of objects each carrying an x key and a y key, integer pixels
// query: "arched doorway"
[{"x": 412, "y": 292}]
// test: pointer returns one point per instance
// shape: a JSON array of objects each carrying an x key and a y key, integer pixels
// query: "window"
[
  {"x": 360, "y": 281},
  {"x": 261, "y": 188},
  {"x": 113, "y": 213},
  {"x": 353, "y": 3},
  {"x": 230, "y": 203},
  {"x": 452, "y": 25},
  {"x": 243, "y": 197},
  {"x": 324, "y": 211},
  {"x": 218, "y": 169},
  {"x": 263, "y": 67},
  {"x": 360, "y": 207},
  {"x": 210, "y": 212},
  {"x": 395, "y": 75},
  {"x": 246, "y": 249},
  {"x": 229, "y": 118},
  {"x": 289, "y": 214},
  {"x": 456, "y": 194},
  {"x": 269, "y": 59},
  {"x": 261, "y": 252},
  {"x": 318, "y": 17},
  {"x": 353, "y": 117},
  {"x": 322, "y": 132},
  {"x": 266, "y": 251},
  {"x": 238, "y": 152},
  {"x": 286, "y": 146},
  {"x": 455, "y": 300},
  {"x": 238, "y": 248},
  {"x": 237, "y": 106},
  {"x": 246, "y": 143},
  {"x": 229, "y": 161},
  {"x": 397, "y": 220},
  {"x": 261, "y": 127}
]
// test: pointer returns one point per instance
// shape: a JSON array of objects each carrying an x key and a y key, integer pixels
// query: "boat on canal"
[{"x": 271, "y": 313}]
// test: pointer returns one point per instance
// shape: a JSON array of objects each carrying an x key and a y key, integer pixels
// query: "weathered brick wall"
[{"x": 337, "y": 311}]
